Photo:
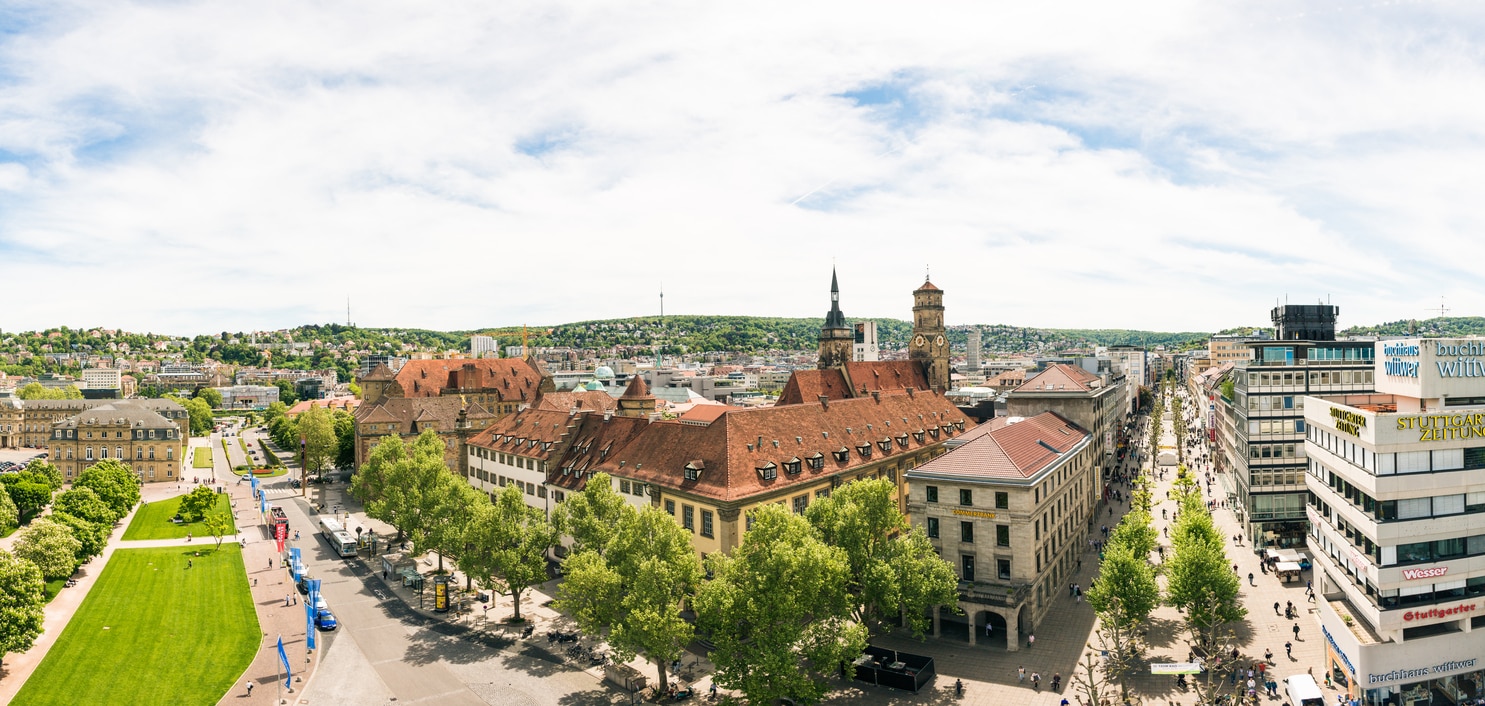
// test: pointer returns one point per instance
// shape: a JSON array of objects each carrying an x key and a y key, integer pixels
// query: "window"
[
  {"x": 933, "y": 527},
  {"x": 932, "y": 492},
  {"x": 966, "y": 531},
  {"x": 967, "y": 567},
  {"x": 1002, "y": 501},
  {"x": 670, "y": 507},
  {"x": 706, "y": 523},
  {"x": 1002, "y": 536},
  {"x": 1003, "y": 569},
  {"x": 800, "y": 503},
  {"x": 966, "y": 497},
  {"x": 688, "y": 517}
]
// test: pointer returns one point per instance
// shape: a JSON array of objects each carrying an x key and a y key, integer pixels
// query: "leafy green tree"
[
  {"x": 211, "y": 396},
  {"x": 636, "y": 591},
  {"x": 217, "y": 525},
  {"x": 779, "y": 611},
  {"x": 84, "y": 503},
  {"x": 91, "y": 537},
  {"x": 507, "y": 546},
  {"x": 50, "y": 546},
  {"x": 345, "y": 440},
  {"x": 414, "y": 490},
  {"x": 894, "y": 568},
  {"x": 113, "y": 482},
  {"x": 317, "y": 429},
  {"x": 22, "y": 598},
  {"x": 10, "y": 515},
  {"x": 29, "y": 493},
  {"x": 195, "y": 504},
  {"x": 47, "y": 472},
  {"x": 591, "y": 517}
]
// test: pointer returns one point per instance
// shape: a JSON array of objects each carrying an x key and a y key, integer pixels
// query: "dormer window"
[
  {"x": 768, "y": 471},
  {"x": 792, "y": 466},
  {"x": 918, "y": 436},
  {"x": 842, "y": 454},
  {"x": 694, "y": 469},
  {"x": 885, "y": 444},
  {"x": 817, "y": 461}
]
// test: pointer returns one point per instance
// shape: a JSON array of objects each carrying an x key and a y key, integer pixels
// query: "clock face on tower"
[{"x": 919, "y": 340}]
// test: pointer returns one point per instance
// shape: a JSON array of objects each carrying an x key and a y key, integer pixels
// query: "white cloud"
[{"x": 1165, "y": 165}]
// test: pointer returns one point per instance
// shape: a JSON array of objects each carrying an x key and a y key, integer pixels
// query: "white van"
[{"x": 1303, "y": 691}]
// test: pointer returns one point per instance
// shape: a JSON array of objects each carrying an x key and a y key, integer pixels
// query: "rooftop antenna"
[{"x": 1442, "y": 309}]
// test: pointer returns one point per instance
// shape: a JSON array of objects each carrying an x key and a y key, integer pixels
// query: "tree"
[
  {"x": 91, "y": 537},
  {"x": 779, "y": 611},
  {"x": 22, "y": 597},
  {"x": 114, "y": 483},
  {"x": 414, "y": 490},
  {"x": 210, "y": 395},
  {"x": 47, "y": 472},
  {"x": 591, "y": 517},
  {"x": 345, "y": 440},
  {"x": 507, "y": 546},
  {"x": 50, "y": 546},
  {"x": 636, "y": 591},
  {"x": 83, "y": 503},
  {"x": 10, "y": 515},
  {"x": 195, "y": 504},
  {"x": 217, "y": 524},
  {"x": 895, "y": 570},
  {"x": 317, "y": 430},
  {"x": 29, "y": 493}
]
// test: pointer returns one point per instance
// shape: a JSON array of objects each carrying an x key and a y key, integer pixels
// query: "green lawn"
[
  {"x": 153, "y": 632},
  {"x": 153, "y": 521},
  {"x": 202, "y": 458}
]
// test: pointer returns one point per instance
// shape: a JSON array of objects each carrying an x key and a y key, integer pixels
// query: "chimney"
[{"x": 824, "y": 402}]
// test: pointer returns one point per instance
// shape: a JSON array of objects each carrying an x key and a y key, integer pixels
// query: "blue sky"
[{"x": 1168, "y": 165}]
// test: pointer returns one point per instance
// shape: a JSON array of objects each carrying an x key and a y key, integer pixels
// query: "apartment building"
[{"x": 1396, "y": 509}]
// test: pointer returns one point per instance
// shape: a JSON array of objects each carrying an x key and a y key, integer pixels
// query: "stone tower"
[
  {"x": 929, "y": 345},
  {"x": 837, "y": 340}
]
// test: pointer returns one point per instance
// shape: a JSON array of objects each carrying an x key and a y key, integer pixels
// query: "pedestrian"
[
  {"x": 1289, "y": 649},
  {"x": 1020, "y": 674},
  {"x": 1296, "y": 631}
]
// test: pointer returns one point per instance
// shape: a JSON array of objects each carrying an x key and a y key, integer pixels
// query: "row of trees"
[
  {"x": 50, "y": 548},
  {"x": 329, "y": 436},
  {"x": 796, "y": 600}
]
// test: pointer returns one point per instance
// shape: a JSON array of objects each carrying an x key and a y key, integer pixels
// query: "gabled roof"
[
  {"x": 1060, "y": 377},
  {"x": 510, "y": 378},
  {"x": 1017, "y": 450},
  {"x": 844, "y": 434}
]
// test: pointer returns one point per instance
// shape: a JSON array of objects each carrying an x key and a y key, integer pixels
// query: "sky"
[{"x": 192, "y": 167}]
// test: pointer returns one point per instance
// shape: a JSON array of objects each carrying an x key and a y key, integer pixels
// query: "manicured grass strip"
[
  {"x": 202, "y": 458},
  {"x": 153, "y": 521},
  {"x": 153, "y": 632}
]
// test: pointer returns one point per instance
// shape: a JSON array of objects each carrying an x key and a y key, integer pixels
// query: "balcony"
[{"x": 1007, "y": 595}]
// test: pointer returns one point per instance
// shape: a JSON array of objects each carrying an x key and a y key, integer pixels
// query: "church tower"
[
  {"x": 929, "y": 345},
  {"x": 837, "y": 340}
]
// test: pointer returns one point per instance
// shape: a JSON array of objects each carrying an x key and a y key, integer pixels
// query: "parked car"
[{"x": 325, "y": 620}]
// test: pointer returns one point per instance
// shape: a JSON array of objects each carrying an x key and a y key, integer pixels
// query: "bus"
[{"x": 343, "y": 542}]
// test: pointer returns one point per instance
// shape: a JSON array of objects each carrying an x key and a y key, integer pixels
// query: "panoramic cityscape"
[{"x": 565, "y": 355}]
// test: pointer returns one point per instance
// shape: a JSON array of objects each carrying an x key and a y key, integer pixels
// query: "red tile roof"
[
  {"x": 510, "y": 378},
  {"x": 1060, "y": 377},
  {"x": 733, "y": 449},
  {"x": 1016, "y": 450}
]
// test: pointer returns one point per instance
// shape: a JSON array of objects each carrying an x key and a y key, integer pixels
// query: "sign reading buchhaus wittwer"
[{"x": 1397, "y": 524}]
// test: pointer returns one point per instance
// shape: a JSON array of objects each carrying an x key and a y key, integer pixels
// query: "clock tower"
[
  {"x": 929, "y": 343},
  {"x": 837, "y": 340}
]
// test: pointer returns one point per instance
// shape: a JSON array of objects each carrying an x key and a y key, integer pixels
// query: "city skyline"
[{"x": 195, "y": 167}]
